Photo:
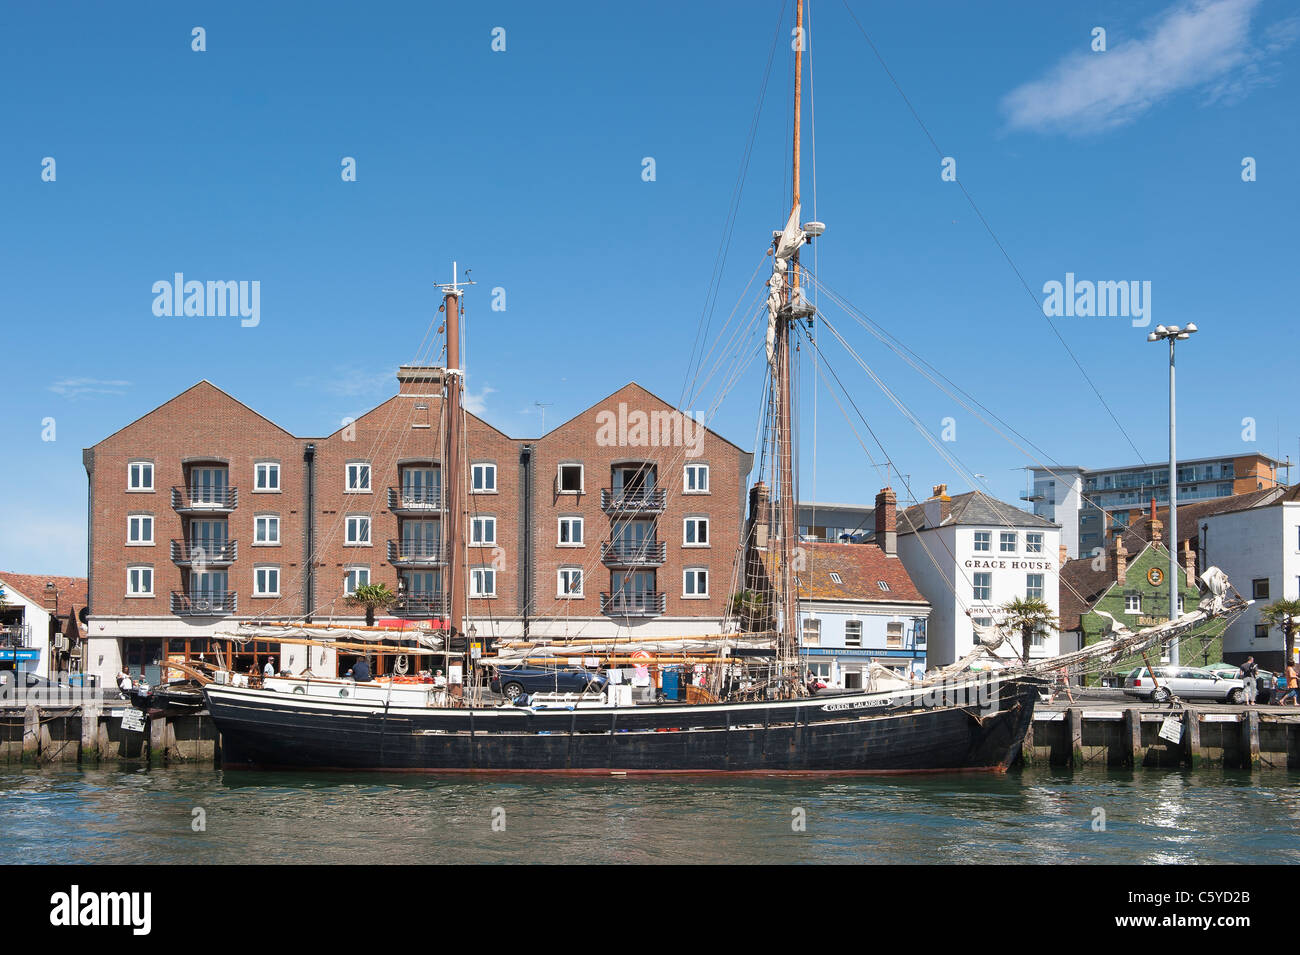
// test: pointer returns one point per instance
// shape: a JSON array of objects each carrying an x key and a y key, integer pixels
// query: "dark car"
[{"x": 514, "y": 681}]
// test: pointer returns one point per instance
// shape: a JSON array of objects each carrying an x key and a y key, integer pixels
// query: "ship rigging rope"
[
  {"x": 743, "y": 347},
  {"x": 729, "y": 223},
  {"x": 955, "y": 392},
  {"x": 425, "y": 348},
  {"x": 996, "y": 241},
  {"x": 929, "y": 438}
]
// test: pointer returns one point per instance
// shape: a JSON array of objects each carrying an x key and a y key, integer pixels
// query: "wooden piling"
[
  {"x": 1192, "y": 737},
  {"x": 89, "y": 732},
  {"x": 1075, "y": 717},
  {"x": 157, "y": 730},
  {"x": 1250, "y": 740},
  {"x": 1133, "y": 753},
  {"x": 31, "y": 733},
  {"x": 1027, "y": 748}
]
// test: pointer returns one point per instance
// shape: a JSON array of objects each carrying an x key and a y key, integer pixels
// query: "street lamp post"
[{"x": 1173, "y": 333}]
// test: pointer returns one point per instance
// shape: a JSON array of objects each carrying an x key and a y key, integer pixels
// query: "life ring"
[{"x": 343, "y": 692}]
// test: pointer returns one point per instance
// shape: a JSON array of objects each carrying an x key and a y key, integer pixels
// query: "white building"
[
  {"x": 1259, "y": 549},
  {"x": 39, "y": 630},
  {"x": 970, "y": 554}
]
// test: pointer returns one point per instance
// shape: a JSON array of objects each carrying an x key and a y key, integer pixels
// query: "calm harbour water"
[{"x": 1032, "y": 816}]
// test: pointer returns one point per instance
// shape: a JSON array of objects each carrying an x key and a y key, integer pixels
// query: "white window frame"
[
  {"x": 347, "y": 478},
  {"x": 1042, "y": 587},
  {"x": 131, "y": 520},
  {"x": 559, "y": 477},
  {"x": 988, "y": 586},
  {"x": 481, "y": 523},
  {"x": 562, "y": 577},
  {"x": 1033, "y": 542},
  {"x": 698, "y": 469},
  {"x": 272, "y": 468},
  {"x": 848, "y": 640},
  {"x": 1132, "y": 603},
  {"x": 488, "y": 469},
  {"x": 477, "y": 575},
  {"x": 692, "y": 573},
  {"x": 894, "y": 638},
  {"x": 274, "y": 522},
  {"x": 573, "y": 522},
  {"x": 134, "y": 568},
  {"x": 258, "y": 571},
  {"x": 815, "y": 623},
  {"x": 1002, "y": 542},
  {"x": 696, "y": 520},
  {"x": 836, "y": 578},
  {"x": 130, "y": 466},
  {"x": 988, "y": 542},
  {"x": 352, "y": 570},
  {"x": 347, "y": 534}
]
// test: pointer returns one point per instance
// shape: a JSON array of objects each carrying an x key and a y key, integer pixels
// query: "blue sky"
[{"x": 526, "y": 166}]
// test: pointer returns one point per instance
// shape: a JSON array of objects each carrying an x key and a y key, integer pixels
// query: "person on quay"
[
  {"x": 1292, "y": 686},
  {"x": 1249, "y": 673}
]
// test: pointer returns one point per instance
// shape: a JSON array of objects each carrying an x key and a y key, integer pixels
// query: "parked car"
[
  {"x": 1188, "y": 683},
  {"x": 1264, "y": 681},
  {"x": 513, "y": 681}
]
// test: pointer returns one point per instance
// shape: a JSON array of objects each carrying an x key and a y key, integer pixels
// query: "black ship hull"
[{"x": 972, "y": 727}]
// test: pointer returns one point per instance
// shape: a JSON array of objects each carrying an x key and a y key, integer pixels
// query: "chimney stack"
[
  {"x": 887, "y": 521},
  {"x": 940, "y": 491},
  {"x": 1189, "y": 562},
  {"x": 1062, "y": 554},
  {"x": 1121, "y": 559}
]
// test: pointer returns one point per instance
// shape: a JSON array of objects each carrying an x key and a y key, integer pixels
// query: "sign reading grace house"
[{"x": 978, "y": 564}]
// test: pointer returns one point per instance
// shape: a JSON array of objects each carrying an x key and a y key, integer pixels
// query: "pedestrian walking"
[
  {"x": 1292, "y": 686},
  {"x": 1249, "y": 673}
]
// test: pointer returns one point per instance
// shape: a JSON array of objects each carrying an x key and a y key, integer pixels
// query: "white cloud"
[
  {"x": 1196, "y": 43},
  {"x": 476, "y": 404},
  {"x": 75, "y": 387}
]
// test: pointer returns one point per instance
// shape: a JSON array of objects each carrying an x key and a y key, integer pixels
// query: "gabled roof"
[
  {"x": 648, "y": 394},
  {"x": 73, "y": 592},
  {"x": 204, "y": 383},
  {"x": 974, "y": 508},
  {"x": 1082, "y": 584},
  {"x": 1192, "y": 513},
  {"x": 860, "y": 567}
]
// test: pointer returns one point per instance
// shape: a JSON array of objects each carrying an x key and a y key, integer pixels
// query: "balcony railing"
[
  {"x": 16, "y": 636},
  {"x": 206, "y": 499},
  {"x": 191, "y": 553},
  {"x": 633, "y": 500},
  {"x": 633, "y": 604},
  {"x": 418, "y": 499},
  {"x": 619, "y": 553},
  {"x": 203, "y": 604},
  {"x": 415, "y": 552},
  {"x": 419, "y": 605}
]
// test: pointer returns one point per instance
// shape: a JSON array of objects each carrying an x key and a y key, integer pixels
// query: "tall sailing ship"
[{"x": 750, "y": 711}]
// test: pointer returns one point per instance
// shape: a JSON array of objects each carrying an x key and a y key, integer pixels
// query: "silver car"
[{"x": 1188, "y": 683}]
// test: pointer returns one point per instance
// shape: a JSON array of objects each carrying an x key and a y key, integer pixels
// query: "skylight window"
[
  {"x": 836, "y": 578},
  {"x": 882, "y": 585}
]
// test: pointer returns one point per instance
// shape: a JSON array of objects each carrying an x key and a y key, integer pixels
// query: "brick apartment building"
[{"x": 625, "y": 519}]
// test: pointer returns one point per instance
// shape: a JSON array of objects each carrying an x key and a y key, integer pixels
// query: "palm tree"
[
  {"x": 1283, "y": 614},
  {"x": 371, "y": 596},
  {"x": 1028, "y": 615}
]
